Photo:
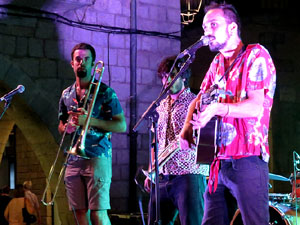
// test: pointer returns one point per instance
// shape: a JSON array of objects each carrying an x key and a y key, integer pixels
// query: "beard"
[
  {"x": 216, "y": 47},
  {"x": 81, "y": 72}
]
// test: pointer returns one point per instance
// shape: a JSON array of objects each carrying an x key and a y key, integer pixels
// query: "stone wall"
[{"x": 35, "y": 51}]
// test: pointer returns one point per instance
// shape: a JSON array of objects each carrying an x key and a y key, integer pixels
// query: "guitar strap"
[
  {"x": 243, "y": 49},
  {"x": 215, "y": 166},
  {"x": 232, "y": 64}
]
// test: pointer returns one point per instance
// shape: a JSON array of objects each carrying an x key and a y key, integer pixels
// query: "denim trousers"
[
  {"x": 244, "y": 181},
  {"x": 179, "y": 194}
]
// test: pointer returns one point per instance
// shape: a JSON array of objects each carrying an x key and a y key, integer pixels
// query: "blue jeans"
[
  {"x": 245, "y": 179},
  {"x": 181, "y": 194}
]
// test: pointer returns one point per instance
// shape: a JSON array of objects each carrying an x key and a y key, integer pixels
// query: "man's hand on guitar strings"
[{"x": 201, "y": 119}]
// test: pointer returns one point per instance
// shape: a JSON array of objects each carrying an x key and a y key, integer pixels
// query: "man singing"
[{"x": 248, "y": 74}]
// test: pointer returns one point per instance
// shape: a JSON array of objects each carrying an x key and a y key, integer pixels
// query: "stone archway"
[{"x": 33, "y": 127}]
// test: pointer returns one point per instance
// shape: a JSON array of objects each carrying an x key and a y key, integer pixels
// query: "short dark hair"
[
  {"x": 230, "y": 13},
  {"x": 166, "y": 65},
  {"x": 84, "y": 46},
  {"x": 5, "y": 189}
]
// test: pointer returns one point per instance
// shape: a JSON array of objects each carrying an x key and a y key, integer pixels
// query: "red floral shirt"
[{"x": 253, "y": 70}]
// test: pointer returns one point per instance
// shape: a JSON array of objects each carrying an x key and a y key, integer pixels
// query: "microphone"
[
  {"x": 203, "y": 41},
  {"x": 19, "y": 89}
]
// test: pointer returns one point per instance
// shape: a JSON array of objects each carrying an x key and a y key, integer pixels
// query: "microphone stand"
[
  {"x": 152, "y": 116},
  {"x": 6, "y": 105}
]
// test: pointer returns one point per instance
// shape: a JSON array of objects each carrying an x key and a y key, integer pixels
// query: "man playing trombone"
[
  {"x": 88, "y": 173},
  {"x": 181, "y": 182}
]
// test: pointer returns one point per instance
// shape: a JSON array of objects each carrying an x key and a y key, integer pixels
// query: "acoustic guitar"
[{"x": 206, "y": 137}]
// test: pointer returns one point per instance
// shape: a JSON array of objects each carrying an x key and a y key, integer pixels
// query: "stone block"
[
  {"x": 128, "y": 74},
  {"x": 99, "y": 38},
  {"x": 123, "y": 157},
  {"x": 119, "y": 140},
  {"x": 125, "y": 172},
  {"x": 173, "y": 16},
  {"x": 65, "y": 72},
  {"x": 49, "y": 84},
  {"x": 5, "y": 64},
  {"x": 30, "y": 66},
  {"x": 115, "y": 7},
  {"x": 82, "y": 35},
  {"x": 119, "y": 189},
  {"x": 112, "y": 53},
  {"x": 118, "y": 74},
  {"x": 35, "y": 47},
  {"x": 116, "y": 173},
  {"x": 148, "y": 25},
  {"x": 123, "y": 21},
  {"x": 114, "y": 157},
  {"x": 7, "y": 44},
  {"x": 64, "y": 32},
  {"x": 157, "y": 13},
  {"x": 22, "y": 46},
  {"x": 149, "y": 43},
  {"x": 119, "y": 205},
  {"x": 126, "y": 8},
  {"x": 67, "y": 49},
  {"x": 143, "y": 59},
  {"x": 144, "y": 142},
  {"x": 52, "y": 50},
  {"x": 170, "y": 4},
  {"x": 142, "y": 11},
  {"x": 150, "y": 2},
  {"x": 22, "y": 31},
  {"x": 128, "y": 41},
  {"x": 4, "y": 29},
  {"x": 175, "y": 45},
  {"x": 45, "y": 30},
  {"x": 148, "y": 76},
  {"x": 156, "y": 59},
  {"x": 22, "y": 21},
  {"x": 164, "y": 44},
  {"x": 90, "y": 16},
  {"x": 48, "y": 68},
  {"x": 117, "y": 40},
  {"x": 142, "y": 158},
  {"x": 123, "y": 57},
  {"x": 13, "y": 76},
  {"x": 101, "y": 5},
  {"x": 167, "y": 27},
  {"x": 106, "y": 19}
]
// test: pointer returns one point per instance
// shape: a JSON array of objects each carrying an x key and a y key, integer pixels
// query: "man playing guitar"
[{"x": 240, "y": 167}]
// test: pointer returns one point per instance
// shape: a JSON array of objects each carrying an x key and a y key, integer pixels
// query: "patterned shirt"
[
  {"x": 107, "y": 105},
  {"x": 170, "y": 122},
  {"x": 253, "y": 70}
]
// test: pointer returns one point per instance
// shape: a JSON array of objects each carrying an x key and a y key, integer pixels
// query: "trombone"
[{"x": 79, "y": 147}]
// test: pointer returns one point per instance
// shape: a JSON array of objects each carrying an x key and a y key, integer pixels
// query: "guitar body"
[
  {"x": 206, "y": 147},
  {"x": 206, "y": 143}
]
